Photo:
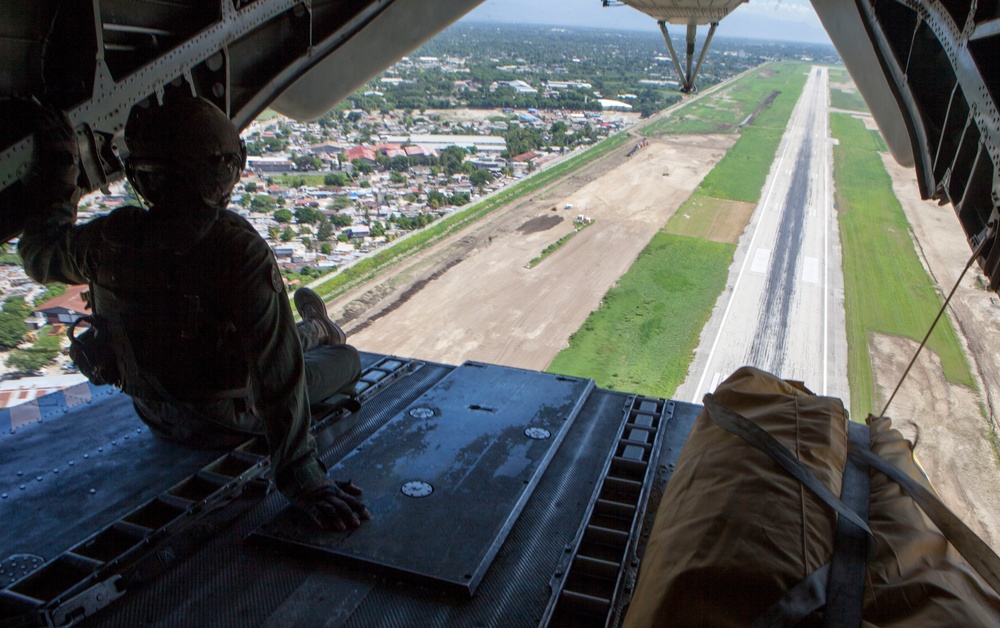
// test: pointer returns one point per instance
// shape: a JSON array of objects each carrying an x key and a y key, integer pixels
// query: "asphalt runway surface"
[{"x": 782, "y": 310}]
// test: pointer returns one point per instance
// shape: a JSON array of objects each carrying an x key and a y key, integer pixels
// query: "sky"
[{"x": 783, "y": 20}]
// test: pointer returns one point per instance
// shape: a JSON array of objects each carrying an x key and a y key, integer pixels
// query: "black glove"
[
  {"x": 333, "y": 505},
  {"x": 56, "y": 149}
]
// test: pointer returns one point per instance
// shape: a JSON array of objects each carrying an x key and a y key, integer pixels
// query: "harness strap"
[
  {"x": 971, "y": 547},
  {"x": 845, "y": 591},
  {"x": 758, "y": 437},
  {"x": 806, "y": 597}
]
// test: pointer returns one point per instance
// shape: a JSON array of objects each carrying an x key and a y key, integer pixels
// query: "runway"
[{"x": 783, "y": 307}]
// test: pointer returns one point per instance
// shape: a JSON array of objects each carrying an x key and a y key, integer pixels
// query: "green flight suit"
[{"x": 245, "y": 335}]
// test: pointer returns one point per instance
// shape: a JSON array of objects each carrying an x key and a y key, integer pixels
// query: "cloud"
[{"x": 786, "y": 10}]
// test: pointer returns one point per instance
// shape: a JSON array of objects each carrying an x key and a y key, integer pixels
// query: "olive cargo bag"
[{"x": 782, "y": 512}]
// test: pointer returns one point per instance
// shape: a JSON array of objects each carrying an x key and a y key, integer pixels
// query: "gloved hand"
[
  {"x": 333, "y": 505},
  {"x": 56, "y": 149}
]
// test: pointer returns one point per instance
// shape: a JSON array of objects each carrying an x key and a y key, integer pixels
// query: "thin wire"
[{"x": 975, "y": 255}]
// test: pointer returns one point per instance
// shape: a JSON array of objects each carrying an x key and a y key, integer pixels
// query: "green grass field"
[
  {"x": 716, "y": 219},
  {"x": 370, "y": 266},
  {"x": 643, "y": 336},
  {"x": 723, "y": 111},
  {"x": 887, "y": 289},
  {"x": 296, "y": 179},
  {"x": 849, "y": 101},
  {"x": 741, "y": 174}
]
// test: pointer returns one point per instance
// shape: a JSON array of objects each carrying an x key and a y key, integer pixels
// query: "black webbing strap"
[
  {"x": 970, "y": 546},
  {"x": 759, "y": 438},
  {"x": 845, "y": 591},
  {"x": 806, "y": 597}
]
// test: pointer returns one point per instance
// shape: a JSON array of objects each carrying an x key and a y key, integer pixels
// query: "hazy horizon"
[{"x": 755, "y": 20}]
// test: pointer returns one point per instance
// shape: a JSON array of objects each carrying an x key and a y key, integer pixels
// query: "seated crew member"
[{"x": 204, "y": 340}]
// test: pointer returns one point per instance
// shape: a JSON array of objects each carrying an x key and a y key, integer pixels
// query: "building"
[
  {"x": 519, "y": 86},
  {"x": 364, "y": 153},
  {"x": 557, "y": 85},
  {"x": 483, "y": 143},
  {"x": 614, "y": 105},
  {"x": 17, "y": 391},
  {"x": 269, "y": 164},
  {"x": 64, "y": 309}
]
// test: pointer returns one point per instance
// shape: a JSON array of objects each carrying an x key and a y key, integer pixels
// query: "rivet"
[
  {"x": 20, "y": 473},
  {"x": 39, "y": 478},
  {"x": 55, "y": 470},
  {"x": 86, "y": 455},
  {"x": 126, "y": 437},
  {"x": 21, "y": 487},
  {"x": 3, "y": 495},
  {"x": 100, "y": 449},
  {"x": 71, "y": 463},
  {"x": 93, "y": 490}
]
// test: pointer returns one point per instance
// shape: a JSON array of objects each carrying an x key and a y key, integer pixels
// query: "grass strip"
[
  {"x": 887, "y": 290},
  {"x": 552, "y": 248},
  {"x": 643, "y": 335},
  {"x": 726, "y": 109},
  {"x": 849, "y": 101},
  {"x": 741, "y": 174},
  {"x": 369, "y": 267}
]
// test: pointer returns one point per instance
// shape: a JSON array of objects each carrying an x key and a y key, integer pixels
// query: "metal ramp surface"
[
  {"x": 447, "y": 477},
  {"x": 201, "y": 568}
]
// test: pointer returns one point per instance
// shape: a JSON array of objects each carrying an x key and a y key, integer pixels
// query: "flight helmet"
[{"x": 184, "y": 151}]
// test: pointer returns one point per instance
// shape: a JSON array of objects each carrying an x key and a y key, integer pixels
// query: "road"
[{"x": 782, "y": 310}]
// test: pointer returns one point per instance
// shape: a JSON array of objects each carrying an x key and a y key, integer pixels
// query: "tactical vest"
[{"x": 173, "y": 337}]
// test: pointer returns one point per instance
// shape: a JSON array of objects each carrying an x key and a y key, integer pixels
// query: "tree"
[
  {"x": 521, "y": 140},
  {"x": 397, "y": 177},
  {"x": 263, "y": 203},
  {"x": 288, "y": 234},
  {"x": 451, "y": 159},
  {"x": 341, "y": 221},
  {"x": 399, "y": 163},
  {"x": 274, "y": 232},
  {"x": 283, "y": 216},
  {"x": 38, "y": 355},
  {"x": 12, "y": 330},
  {"x": 339, "y": 203},
  {"x": 17, "y": 306},
  {"x": 377, "y": 229},
  {"x": 308, "y": 215},
  {"x": 480, "y": 178},
  {"x": 335, "y": 179},
  {"x": 325, "y": 229},
  {"x": 325, "y": 248},
  {"x": 307, "y": 162},
  {"x": 362, "y": 167},
  {"x": 365, "y": 184},
  {"x": 250, "y": 187},
  {"x": 307, "y": 242},
  {"x": 436, "y": 199}
]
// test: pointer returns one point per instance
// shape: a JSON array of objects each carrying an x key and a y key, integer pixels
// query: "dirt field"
[
  {"x": 473, "y": 297},
  {"x": 952, "y": 434}
]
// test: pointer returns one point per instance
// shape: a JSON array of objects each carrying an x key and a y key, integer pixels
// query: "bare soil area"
[
  {"x": 472, "y": 296},
  {"x": 954, "y": 437}
]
